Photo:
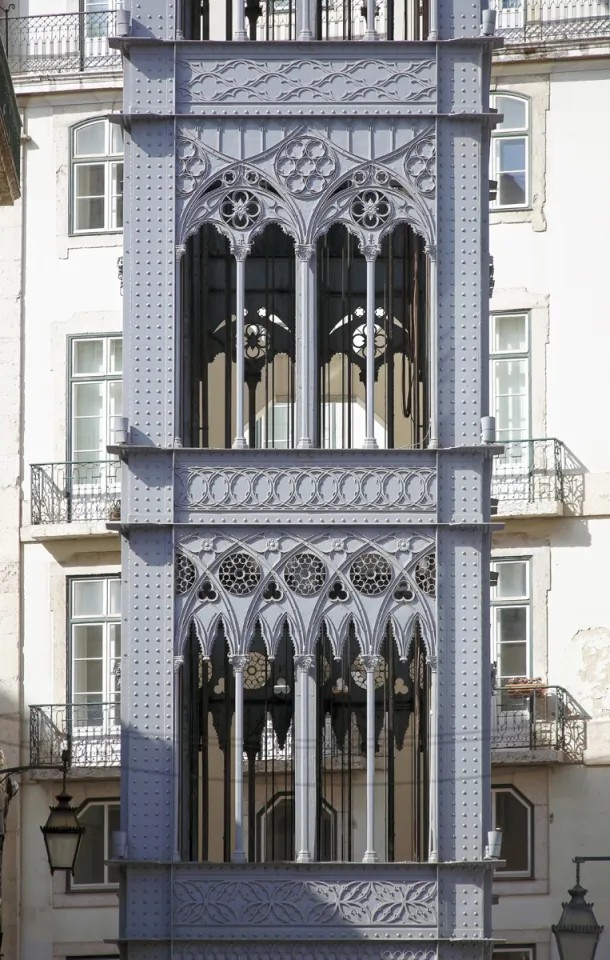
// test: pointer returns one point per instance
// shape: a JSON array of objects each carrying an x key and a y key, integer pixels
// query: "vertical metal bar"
[
  {"x": 306, "y": 265},
  {"x": 433, "y": 778},
  {"x": 432, "y": 347},
  {"x": 390, "y": 747},
  {"x": 304, "y": 664},
  {"x": 389, "y": 344},
  {"x": 370, "y": 662},
  {"x": 204, "y": 311},
  {"x": 239, "y": 20},
  {"x": 239, "y": 443},
  {"x": 228, "y": 717},
  {"x": 370, "y": 253},
  {"x": 228, "y": 353},
  {"x": 205, "y": 766},
  {"x": 239, "y": 664},
  {"x": 347, "y": 661}
]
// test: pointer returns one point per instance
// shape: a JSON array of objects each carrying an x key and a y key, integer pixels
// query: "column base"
[
  {"x": 370, "y": 857},
  {"x": 239, "y": 856},
  {"x": 304, "y": 856},
  {"x": 370, "y": 35},
  {"x": 433, "y": 857},
  {"x": 240, "y": 444},
  {"x": 305, "y": 444},
  {"x": 240, "y": 35},
  {"x": 370, "y": 443},
  {"x": 305, "y": 35}
]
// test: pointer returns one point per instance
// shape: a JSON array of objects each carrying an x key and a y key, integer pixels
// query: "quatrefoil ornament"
[{"x": 306, "y": 166}]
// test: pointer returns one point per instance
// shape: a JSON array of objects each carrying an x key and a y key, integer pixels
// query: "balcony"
[
  {"x": 75, "y": 492},
  {"x": 537, "y": 724},
  {"x": 551, "y": 21},
  {"x": 90, "y": 732},
  {"x": 536, "y": 478},
  {"x": 61, "y": 43},
  {"x": 10, "y": 136}
]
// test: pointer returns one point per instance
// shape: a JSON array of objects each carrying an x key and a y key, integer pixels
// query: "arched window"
[
  {"x": 510, "y": 152},
  {"x": 97, "y": 177}
]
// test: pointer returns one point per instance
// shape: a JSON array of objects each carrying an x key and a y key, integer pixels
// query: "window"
[
  {"x": 510, "y": 151},
  {"x": 511, "y": 618},
  {"x": 96, "y": 395},
  {"x": 95, "y": 642},
  {"x": 514, "y": 953},
  {"x": 512, "y": 814},
  {"x": 100, "y": 818},
  {"x": 275, "y": 830},
  {"x": 97, "y": 177},
  {"x": 510, "y": 376}
]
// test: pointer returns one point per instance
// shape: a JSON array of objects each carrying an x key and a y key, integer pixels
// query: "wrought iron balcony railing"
[
  {"x": 73, "y": 492},
  {"x": 533, "y": 472},
  {"x": 539, "y": 21},
  {"x": 539, "y": 718},
  {"x": 90, "y": 732},
  {"x": 10, "y": 135},
  {"x": 61, "y": 43}
]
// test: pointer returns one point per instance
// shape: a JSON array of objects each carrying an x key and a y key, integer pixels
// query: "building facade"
[{"x": 548, "y": 609}]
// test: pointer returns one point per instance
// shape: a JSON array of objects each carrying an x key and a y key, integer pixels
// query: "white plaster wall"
[{"x": 552, "y": 261}]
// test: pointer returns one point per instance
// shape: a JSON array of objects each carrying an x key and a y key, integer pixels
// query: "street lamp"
[
  {"x": 62, "y": 833},
  {"x": 578, "y": 933}
]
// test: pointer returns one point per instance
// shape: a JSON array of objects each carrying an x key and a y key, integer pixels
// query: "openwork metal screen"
[
  {"x": 538, "y": 717},
  {"x": 89, "y": 733},
  {"x": 77, "y": 491},
  {"x": 207, "y": 764},
  {"x": 524, "y": 21}
]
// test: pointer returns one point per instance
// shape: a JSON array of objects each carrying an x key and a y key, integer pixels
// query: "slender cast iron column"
[
  {"x": 433, "y": 347},
  {"x": 370, "y": 251},
  {"x": 370, "y": 32},
  {"x": 433, "y": 761},
  {"x": 306, "y": 268},
  {"x": 304, "y": 665},
  {"x": 370, "y": 663},
  {"x": 240, "y": 252},
  {"x": 239, "y": 20},
  {"x": 304, "y": 15},
  {"x": 239, "y": 664}
]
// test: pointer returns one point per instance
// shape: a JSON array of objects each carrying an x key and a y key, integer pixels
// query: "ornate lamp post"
[{"x": 578, "y": 933}]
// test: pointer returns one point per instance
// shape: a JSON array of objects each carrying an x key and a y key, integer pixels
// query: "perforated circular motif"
[
  {"x": 425, "y": 575},
  {"x": 239, "y": 574},
  {"x": 305, "y": 574},
  {"x": 256, "y": 672},
  {"x": 241, "y": 209},
  {"x": 371, "y": 209},
  {"x": 370, "y": 574},
  {"x": 358, "y": 672},
  {"x": 184, "y": 574}
]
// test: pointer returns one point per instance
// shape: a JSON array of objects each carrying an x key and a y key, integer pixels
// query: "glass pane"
[
  {"x": 87, "y": 710},
  {"x": 512, "y": 624},
  {"x": 511, "y": 190},
  {"x": 116, "y": 134},
  {"x": 114, "y": 598},
  {"x": 88, "y": 642},
  {"x": 114, "y": 825},
  {"x": 89, "y": 214},
  {"x": 115, "y": 400},
  {"x": 510, "y": 334},
  {"x": 510, "y": 389},
  {"x": 512, "y": 660},
  {"x": 88, "y": 598},
  {"x": 512, "y": 816},
  {"x": 90, "y": 179},
  {"x": 114, "y": 640},
  {"x": 90, "y": 139},
  {"x": 87, "y": 357},
  {"x": 512, "y": 580},
  {"x": 514, "y": 111},
  {"x": 511, "y": 155},
  {"x": 115, "y": 355},
  {"x": 90, "y": 861},
  {"x": 87, "y": 438},
  {"x": 89, "y": 677}
]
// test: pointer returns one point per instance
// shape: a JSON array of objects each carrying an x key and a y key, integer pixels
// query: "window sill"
[
  {"x": 86, "y": 241},
  {"x": 519, "y": 888}
]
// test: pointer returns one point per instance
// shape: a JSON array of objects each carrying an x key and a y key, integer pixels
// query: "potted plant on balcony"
[
  {"x": 524, "y": 686},
  {"x": 114, "y": 510}
]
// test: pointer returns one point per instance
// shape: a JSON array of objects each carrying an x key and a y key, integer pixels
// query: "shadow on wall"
[{"x": 573, "y": 482}]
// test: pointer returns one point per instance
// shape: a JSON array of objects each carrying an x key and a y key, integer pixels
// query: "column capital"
[
  {"x": 239, "y": 662},
  {"x": 240, "y": 249},
  {"x": 180, "y": 250},
  {"x": 304, "y": 661},
  {"x": 370, "y": 250},
  {"x": 431, "y": 250},
  {"x": 432, "y": 663},
  {"x": 370, "y": 661},
  {"x": 305, "y": 251}
]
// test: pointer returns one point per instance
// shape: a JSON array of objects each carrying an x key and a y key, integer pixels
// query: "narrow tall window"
[
  {"x": 510, "y": 375},
  {"x": 96, "y": 367},
  {"x": 510, "y": 152},
  {"x": 511, "y": 618},
  {"x": 512, "y": 813},
  {"x": 95, "y": 653},
  {"x": 100, "y": 820},
  {"x": 97, "y": 177}
]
